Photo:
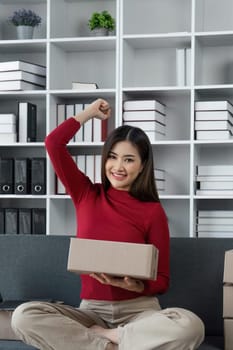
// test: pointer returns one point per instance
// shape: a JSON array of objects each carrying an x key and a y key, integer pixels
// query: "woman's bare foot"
[{"x": 111, "y": 334}]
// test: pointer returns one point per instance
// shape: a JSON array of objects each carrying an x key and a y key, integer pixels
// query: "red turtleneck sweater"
[{"x": 113, "y": 216}]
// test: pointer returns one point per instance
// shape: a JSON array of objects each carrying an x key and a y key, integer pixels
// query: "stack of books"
[
  {"x": 21, "y": 75},
  {"x": 213, "y": 120},
  {"x": 94, "y": 130},
  {"x": 8, "y": 128},
  {"x": 159, "y": 175},
  {"x": 214, "y": 223},
  {"x": 214, "y": 180},
  {"x": 148, "y": 115}
]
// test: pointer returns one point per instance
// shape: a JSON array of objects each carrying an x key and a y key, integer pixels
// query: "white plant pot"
[
  {"x": 24, "y": 32},
  {"x": 100, "y": 32}
]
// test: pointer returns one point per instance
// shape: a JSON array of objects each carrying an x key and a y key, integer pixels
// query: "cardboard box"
[
  {"x": 228, "y": 270},
  {"x": 228, "y": 301},
  {"x": 113, "y": 258},
  {"x": 228, "y": 334}
]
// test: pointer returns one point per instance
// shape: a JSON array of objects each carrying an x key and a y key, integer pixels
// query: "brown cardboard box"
[
  {"x": 228, "y": 301},
  {"x": 228, "y": 270},
  {"x": 114, "y": 258},
  {"x": 228, "y": 334}
]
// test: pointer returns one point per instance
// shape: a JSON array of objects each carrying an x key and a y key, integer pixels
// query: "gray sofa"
[{"x": 34, "y": 267}]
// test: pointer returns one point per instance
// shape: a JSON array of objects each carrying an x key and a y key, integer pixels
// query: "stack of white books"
[
  {"x": 213, "y": 120},
  {"x": 159, "y": 175},
  {"x": 148, "y": 115},
  {"x": 214, "y": 223},
  {"x": 8, "y": 128},
  {"x": 214, "y": 180},
  {"x": 21, "y": 75}
]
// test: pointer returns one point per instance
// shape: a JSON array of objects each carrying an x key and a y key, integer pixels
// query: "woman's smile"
[{"x": 119, "y": 176}]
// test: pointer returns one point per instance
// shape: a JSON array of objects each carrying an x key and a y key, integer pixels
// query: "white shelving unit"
[{"x": 137, "y": 61}]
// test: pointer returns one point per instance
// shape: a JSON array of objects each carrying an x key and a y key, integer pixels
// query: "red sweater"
[{"x": 113, "y": 216}]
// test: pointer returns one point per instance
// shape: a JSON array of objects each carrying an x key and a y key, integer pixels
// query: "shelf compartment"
[
  {"x": 213, "y": 204},
  {"x": 73, "y": 98},
  {"x": 213, "y": 59},
  {"x": 9, "y": 104},
  {"x": 175, "y": 160},
  {"x": 178, "y": 110},
  {"x": 61, "y": 217},
  {"x": 175, "y": 210},
  {"x": 151, "y": 62},
  {"x": 150, "y": 16},
  {"x": 77, "y": 61},
  {"x": 78, "y": 12},
  {"x": 213, "y": 15},
  {"x": 213, "y": 154},
  {"x": 8, "y": 31},
  {"x": 35, "y": 53}
]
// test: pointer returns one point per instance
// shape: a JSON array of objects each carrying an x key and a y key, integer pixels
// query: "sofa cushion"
[
  {"x": 212, "y": 343},
  {"x": 14, "y": 345},
  {"x": 40, "y": 260}
]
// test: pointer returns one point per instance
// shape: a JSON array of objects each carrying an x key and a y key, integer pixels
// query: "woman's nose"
[{"x": 119, "y": 164}]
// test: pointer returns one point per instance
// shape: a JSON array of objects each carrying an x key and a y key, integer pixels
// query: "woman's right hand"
[{"x": 100, "y": 109}]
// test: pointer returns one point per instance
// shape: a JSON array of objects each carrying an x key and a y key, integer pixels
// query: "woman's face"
[{"x": 123, "y": 165}]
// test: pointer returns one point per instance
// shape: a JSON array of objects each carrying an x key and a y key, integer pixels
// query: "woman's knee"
[
  {"x": 22, "y": 316},
  {"x": 192, "y": 330}
]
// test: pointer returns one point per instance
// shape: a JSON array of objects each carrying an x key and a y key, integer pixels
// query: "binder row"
[
  {"x": 23, "y": 221},
  {"x": 23, "y": 176}
]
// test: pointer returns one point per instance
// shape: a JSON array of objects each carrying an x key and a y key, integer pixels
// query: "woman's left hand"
[{"x": 126, "y": 282}]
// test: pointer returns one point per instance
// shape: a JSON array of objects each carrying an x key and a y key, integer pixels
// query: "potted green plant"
[
  {"x": 101, "y": 23},
  {"x": 25, "y": 21}
]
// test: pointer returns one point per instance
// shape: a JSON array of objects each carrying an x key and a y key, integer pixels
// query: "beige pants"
[{"x": 141, "y": 323}]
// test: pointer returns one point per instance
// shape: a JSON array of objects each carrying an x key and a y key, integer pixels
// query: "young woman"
[{"x": 115, "y": 313}]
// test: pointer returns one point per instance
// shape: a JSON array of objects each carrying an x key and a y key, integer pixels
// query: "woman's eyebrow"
[
  {"x": 124, "y": 155},
  {"x": 129, "y": 155}
]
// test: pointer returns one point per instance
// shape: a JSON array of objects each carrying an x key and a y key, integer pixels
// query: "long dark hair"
[{"x": 143, "y": 187}]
